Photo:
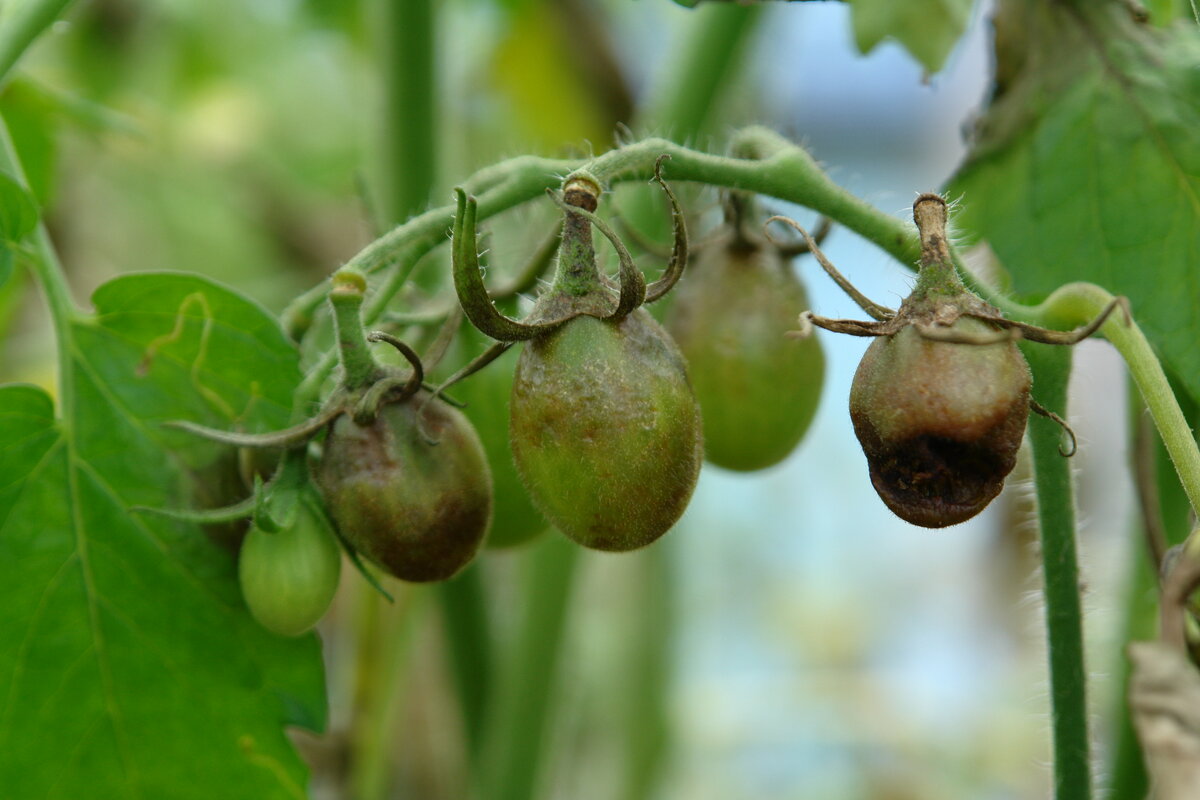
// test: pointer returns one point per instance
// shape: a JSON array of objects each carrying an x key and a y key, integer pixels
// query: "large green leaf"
[
  {"x": 1088, "y": 164},
  {"x": 129, "y": 667},
  {"x": 928, "y": 29}
]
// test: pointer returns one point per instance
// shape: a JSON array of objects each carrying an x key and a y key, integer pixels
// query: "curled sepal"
[
  {"x": 679, "y": 250},
  {"x": 824, "y": 226},
  {"x": 208, "y": 516},
  {"x": 288, "y": 437},
  {"x": 873, "y": 309},
  {"x": 391, "y": 388},
  {"x": 468, "y": 282},
  {"x": 633, "y": 283},
  {"x": 1068, "y": 451},
  {"x": 470, "y": 368},
  {"x": 1035, "y": 333}
]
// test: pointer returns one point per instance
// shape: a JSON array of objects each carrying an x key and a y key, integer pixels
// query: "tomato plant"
[{"x": 284, "y": 216}]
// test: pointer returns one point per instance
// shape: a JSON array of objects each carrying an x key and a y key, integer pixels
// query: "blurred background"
[{"x": 791, "y": 638}]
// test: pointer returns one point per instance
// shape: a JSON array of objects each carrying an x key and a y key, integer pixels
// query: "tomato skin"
[
  {"x": 288, "y": 578},
  {"x": 418, "y": 509},
  {"x": 940, "y": 422},
  {"x": 758, "y": 388},
  {"x": 605, "y": 430}
]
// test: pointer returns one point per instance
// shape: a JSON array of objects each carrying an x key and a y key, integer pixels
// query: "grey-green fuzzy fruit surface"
[
  {"x": 940, "y": 422},
  {"x": 606, "y": 431},
  {"x": 758, "y": 389},
  {"x": 417, "y": 509}
]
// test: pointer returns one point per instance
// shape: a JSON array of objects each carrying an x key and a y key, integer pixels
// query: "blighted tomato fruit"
[
  {"x": 940, "y": 404},
  {"x": 940, "y": 422},
  {"x": 411, "y": 489},
  {"x": 758, "y": 388},
  {"x": 289, "y": 577},
  {"x": 605, "y": 430}
]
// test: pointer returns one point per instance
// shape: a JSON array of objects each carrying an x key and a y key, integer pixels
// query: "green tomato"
[
  {"x": 289, "y": 578},
  {"x": 605, "y": 430},
  {"x": 758, "y": 389}
]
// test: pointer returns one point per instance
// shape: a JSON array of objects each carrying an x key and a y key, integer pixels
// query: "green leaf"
[
  {"x": 129, "y": 667},
  {"x": 18, "y": 212},
  {"x": 928, "y": 29},
  {"x": 1088, "y": 165}
]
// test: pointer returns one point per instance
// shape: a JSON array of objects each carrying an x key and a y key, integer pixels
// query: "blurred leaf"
[
  {"x": 18, "y": 213},
  {"x": 129, "y": 667},
  {"x": 532, "y": 67},
  {"x": 32, "y": 122},
  {"x": 928, "y": 29},
  {"x": 1087, "y": 165},
  {"x": 6, "y": 265}
]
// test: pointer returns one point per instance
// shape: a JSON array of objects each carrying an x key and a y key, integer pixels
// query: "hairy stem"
[
  {"x": 1079, "y": 303},
  {"x": 1064, "y": 614},
  {"x": 781, "y": 170}
]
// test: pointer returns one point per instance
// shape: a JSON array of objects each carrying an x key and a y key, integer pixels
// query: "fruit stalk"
[{"x": 346, "y": 298}]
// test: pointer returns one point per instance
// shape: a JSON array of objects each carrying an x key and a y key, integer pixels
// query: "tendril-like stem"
[{"x": 873, "y": 309}]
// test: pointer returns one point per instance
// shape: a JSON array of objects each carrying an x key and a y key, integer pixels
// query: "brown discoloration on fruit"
[
  {"x": 605, "y": 430},
  {"x": 419, "y": 510},
  {"x": 940, "y": 422}
]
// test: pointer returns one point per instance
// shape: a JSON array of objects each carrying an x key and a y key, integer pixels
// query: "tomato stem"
[{"x": 1064, "y": 614}]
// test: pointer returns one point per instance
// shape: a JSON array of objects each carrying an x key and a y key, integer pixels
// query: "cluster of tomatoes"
[{"x": 610, "y": 413}]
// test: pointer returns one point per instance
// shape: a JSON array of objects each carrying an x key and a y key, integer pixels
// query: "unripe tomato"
[
  {"x": 940, "y": 422},
  {"x": 288, "y": 578},
  {"x": 418, "y": 509},
  {"x": 758, "y": 389},
  {"x": 605, "y": 430}
]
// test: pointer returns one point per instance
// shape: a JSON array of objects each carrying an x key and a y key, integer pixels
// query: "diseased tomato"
[{"x": 605, "y": 430}]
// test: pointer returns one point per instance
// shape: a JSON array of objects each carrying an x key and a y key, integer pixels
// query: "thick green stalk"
[
  {"x": 647, "y": 675},
  {"x": 49, "y": 273},
  {"x": 469, "y": 636},
  {"x": 1079, "y": 303},
  {"x": 1060, "y": 572},
  {"x": 781, "y": 170},
  {"x": 517, "y": 718},
  {"x": 682, "y": 103},
  {"x": 409, "y": 86},
  {"x": 22, "y": 27}
]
